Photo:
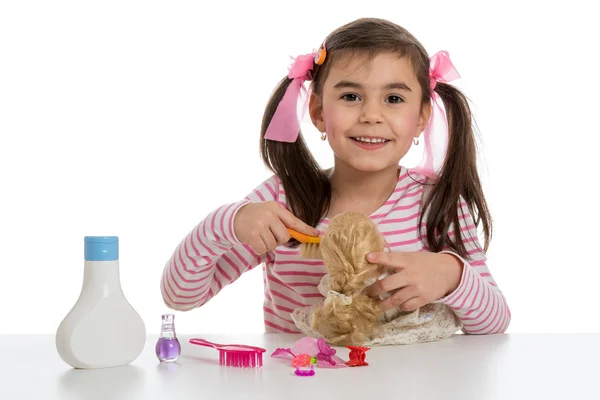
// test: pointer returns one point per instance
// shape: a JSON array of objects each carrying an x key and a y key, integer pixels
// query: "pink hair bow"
[
  {"x": 284, "y": 126},
  {"x": 435, "y": 134}
]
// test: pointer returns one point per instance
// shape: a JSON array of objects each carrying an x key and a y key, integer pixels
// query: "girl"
[{"x": 374, "y": 91}]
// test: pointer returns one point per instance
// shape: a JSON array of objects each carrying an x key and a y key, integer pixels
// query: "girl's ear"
[
  {"x": 423, "y": 118},
  {"x": 315, "y": 109}
]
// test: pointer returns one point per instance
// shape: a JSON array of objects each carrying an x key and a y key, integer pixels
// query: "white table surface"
[{"x": 509, "y": 366}]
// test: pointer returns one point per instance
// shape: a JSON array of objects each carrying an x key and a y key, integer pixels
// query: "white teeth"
[{"x": 371, "y": 140}]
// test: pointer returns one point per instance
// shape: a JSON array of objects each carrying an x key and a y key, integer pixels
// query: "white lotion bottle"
[{"x": 102, "y": 329}]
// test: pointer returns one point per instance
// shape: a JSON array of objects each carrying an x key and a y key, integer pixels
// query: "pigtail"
[
  {"x": 459, "y": 177},
  {"x": 308, "y": 191}
]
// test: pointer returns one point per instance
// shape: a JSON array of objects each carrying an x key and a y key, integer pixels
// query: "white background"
[{"x": 137, "y": 118}]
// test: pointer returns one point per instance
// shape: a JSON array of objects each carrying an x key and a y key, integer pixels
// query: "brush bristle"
[
  {"x": 244, "y": 359},
  {"x": 310, "y": 251}
]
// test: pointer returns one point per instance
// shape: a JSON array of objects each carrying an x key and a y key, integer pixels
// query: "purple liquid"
[{"x": 168, "y": 350}]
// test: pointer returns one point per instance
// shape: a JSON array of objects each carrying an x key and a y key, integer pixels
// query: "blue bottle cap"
[{"x": 101, "y": 248}]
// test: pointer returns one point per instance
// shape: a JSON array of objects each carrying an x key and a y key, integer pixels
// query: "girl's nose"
[{"x": 371, "y": 113}]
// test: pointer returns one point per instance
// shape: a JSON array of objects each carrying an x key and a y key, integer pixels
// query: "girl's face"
[{"x": 371, "y": 111}]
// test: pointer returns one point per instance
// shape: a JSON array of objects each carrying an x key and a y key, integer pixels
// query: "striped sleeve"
[
  {"x": 477, "y": 301},
  {"x": 211, "y": 256}
]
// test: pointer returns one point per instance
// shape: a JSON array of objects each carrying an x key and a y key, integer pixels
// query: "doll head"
[{"x": 347, "y": 316}]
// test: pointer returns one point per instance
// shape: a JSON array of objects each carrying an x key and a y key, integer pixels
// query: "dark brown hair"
[{"x": 306, "y": 186}]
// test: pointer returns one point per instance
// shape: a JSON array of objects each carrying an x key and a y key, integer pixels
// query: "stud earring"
[
  {"x": 416, "y": 141},
  {"x": 323, "y": 136}
]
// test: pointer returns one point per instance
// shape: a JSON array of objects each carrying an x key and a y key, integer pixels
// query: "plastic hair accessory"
[
  {"x": 301, "y": 360},
  {"x": 325, "y": 352},
  {"x": 357, "y": 356},
  {"x": 320, "y": 55},
  {"x": 301, "y": 372}
]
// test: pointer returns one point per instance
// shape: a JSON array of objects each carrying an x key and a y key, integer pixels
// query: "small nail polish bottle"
[{"x": 168, "y": 348}]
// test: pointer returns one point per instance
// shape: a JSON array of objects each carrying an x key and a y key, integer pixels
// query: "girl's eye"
[
  {"x": 350, "y": 97},
  {"x": 395, "y": 99}
]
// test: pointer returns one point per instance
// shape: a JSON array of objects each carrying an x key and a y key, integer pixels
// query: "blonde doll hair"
[{"x": 348, "y": 317}]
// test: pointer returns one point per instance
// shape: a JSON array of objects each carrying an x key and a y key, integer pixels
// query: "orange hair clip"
[{"x": 320, "y": 55}]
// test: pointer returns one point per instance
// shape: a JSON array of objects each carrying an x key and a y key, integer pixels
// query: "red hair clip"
[{"x": 357, "y": 356}]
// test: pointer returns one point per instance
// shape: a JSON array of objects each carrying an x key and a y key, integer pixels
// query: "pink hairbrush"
[{"x": 235, "y": 355}]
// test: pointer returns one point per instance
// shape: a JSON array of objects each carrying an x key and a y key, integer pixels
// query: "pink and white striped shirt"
[{"x": 211, "y": 256}]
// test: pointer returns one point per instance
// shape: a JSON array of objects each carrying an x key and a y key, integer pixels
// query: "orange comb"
[
  {"x": 301, "y": 237},
  {"x": 309, "y": 247}
]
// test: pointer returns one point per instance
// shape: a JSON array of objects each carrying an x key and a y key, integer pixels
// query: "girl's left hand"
[{"x": 419, "y": 278}]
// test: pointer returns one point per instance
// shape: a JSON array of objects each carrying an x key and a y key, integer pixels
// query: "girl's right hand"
[{"x": 263, "y": 226}]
